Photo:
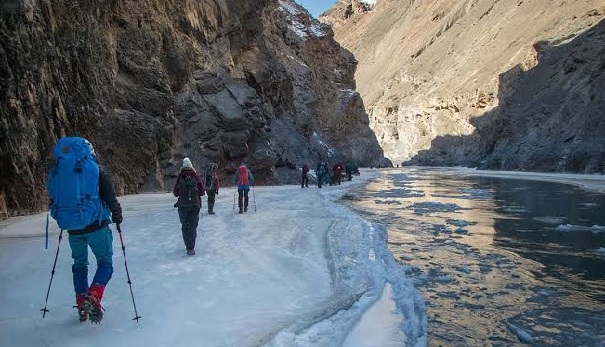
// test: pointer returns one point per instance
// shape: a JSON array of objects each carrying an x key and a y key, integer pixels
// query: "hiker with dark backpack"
[
  {"x": 304, "y": 182},
  {"x": 83, "y": 202},
  {"x": 212, "y": 183},
  {"x": 189, "y": 188},
  {"x": 243, "y": 178}
]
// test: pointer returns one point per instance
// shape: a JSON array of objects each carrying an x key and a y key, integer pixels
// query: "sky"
[
  {"x": 297, "y": 269},
  {"x": 316, "y": 7}
]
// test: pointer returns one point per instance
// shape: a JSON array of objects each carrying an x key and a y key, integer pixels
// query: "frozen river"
[{"x": 499, "y": 261}]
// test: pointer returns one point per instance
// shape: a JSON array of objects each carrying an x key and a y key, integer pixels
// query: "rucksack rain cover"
[
  {"x": 243, "y": 176},
  {"x": 73, "y": 185}
]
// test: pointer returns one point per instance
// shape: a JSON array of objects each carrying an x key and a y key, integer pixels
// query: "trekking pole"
[
  {"x": 52, "y": 274},
  {"x": 254, "y": 198},
  {"x": 136, "y": 314},
  {"x": 235, "y": 190},
  {"x": 47, "y": 218}
]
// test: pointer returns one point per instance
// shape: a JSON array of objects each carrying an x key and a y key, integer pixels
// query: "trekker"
[
  {"x": 325, "y": 173},
  {"x": 189, "y": 188},
  {"x": 322, "y": 173},
  {"x": 243, "y": 178},
  {"x": 349, "y": 171},
  {"x": 319, "y": 174},
  {"x": 338, "y": 169},
  {"x": 83, "y": 202},
  {"x": 304, "y": 183},
  {"x": 212, "y": 183}
]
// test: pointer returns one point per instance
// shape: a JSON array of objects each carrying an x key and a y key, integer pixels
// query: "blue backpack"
[{"x": 73, "y": 185}]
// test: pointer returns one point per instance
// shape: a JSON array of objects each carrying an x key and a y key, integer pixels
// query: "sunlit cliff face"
[{"x": 438, "y": 77}]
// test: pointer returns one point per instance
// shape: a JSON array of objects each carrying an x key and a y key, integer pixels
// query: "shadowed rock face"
[
  {"x": 491, "y": 83},
  {"x": 148, "y": 83}
]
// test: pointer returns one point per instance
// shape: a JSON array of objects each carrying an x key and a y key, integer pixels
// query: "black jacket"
[{"x": 108, "y": 197}]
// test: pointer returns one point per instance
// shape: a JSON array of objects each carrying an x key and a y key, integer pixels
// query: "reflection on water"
[{"x": 499, "y": 261}]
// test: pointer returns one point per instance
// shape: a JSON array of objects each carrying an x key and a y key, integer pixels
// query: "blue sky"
[{"x": 316, "y": 7}]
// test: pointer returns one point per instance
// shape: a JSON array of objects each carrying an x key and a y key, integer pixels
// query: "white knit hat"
[{"x": 187, "y": 163}]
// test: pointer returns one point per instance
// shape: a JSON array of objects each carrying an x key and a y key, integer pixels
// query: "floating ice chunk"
[
  {"x": 571, "y": 227},
  {"x": 550, "y": 220},
  {"x": 597, "y": 229},
  {"x": 428, "y": 207},
  {"x": 523, "y": 335},
  {"x": 514, "y": 209}
]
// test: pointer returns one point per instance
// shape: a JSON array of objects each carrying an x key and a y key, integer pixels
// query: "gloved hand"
[
  {"x": 116, "y": 217},
  {"x": 217, "y": 192}
]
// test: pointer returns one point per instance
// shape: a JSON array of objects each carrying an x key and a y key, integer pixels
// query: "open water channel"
[{"x": 500, "y": 262}]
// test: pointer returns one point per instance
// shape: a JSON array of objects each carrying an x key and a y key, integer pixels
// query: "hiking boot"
[
  {"x": 246, "y": 209},
  {"x": 92, "y": 303},
  {"x": 80, "y": 299},
  {"x": 241, "y": 211},
  {"x": 210, "y": 212},
  {"x": 191, "y": 252}
]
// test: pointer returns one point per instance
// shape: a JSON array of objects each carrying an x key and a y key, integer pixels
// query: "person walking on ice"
[
  {"x": 83, "y": 202},
  {"x": 189, "y": 188},
  {"x": 243, "y": 178},
  {"x": 212, "y": 183},
  {"x": 304, "y": 179}
]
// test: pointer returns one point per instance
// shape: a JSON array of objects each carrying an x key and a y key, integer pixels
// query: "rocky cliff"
[
  {"x": 488, "y": 83},
  {"x": 149, "y": 82}
]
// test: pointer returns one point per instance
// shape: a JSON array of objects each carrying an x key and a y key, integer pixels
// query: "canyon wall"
[
  {"x": 487, "y": 83},
  {"x": 149, "y": 82}
]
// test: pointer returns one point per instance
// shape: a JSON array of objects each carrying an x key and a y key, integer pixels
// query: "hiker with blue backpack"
[
  {"x": 189, "y": 188},
  {"x": 83, "y": 202},
  {"x": 243, "y": 179}
]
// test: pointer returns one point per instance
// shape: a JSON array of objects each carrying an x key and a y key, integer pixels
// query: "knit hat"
[{"x": 187, "y": 164}]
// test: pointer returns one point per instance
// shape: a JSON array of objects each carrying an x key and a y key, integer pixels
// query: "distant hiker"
[
  {"x": 349, "y": 171},
  {"x": 212, "y": 183},
  {"x": 325, "y": 173},
  {"x": 83, "y": 202},
  {"x": 189, "y": 188},
  {"x": 338, "y": 173},
  {"x": 304, "y": 183},
  {"x": 321, "y": 171},
  {"x": 243, "y": 178}
]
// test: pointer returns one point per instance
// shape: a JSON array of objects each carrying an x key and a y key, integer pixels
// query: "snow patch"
[{"x": 293, "y": 14}]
